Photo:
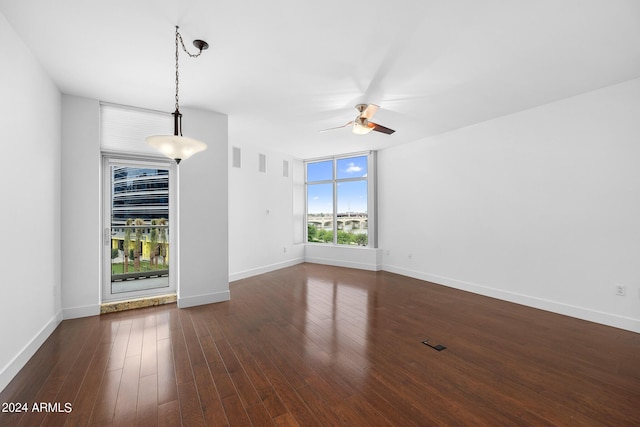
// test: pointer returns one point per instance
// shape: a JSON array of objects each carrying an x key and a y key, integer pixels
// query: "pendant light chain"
[
  {"x": 177, "y": 73},
  {"x": 176, "y": 146},
  {"x": 192, "y": 55}
]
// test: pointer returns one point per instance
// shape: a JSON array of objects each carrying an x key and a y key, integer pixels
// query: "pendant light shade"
[{"x": 176, "y": 146}]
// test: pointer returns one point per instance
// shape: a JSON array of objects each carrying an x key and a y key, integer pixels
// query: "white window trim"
[
  {"x": 151, "y": 161},
  {"x": 372, "y": 203}
]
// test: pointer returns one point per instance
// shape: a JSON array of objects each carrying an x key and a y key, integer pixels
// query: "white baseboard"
[
  {"x": 184, "y": 302},
  {"x": 21, "y": 359},
  {"x": 608, "y": 319},
  {"x": 265, "y": 269},
  {"x": 84, "y": 311}
]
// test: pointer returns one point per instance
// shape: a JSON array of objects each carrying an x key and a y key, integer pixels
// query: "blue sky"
[{"x": 352, "y": 195}]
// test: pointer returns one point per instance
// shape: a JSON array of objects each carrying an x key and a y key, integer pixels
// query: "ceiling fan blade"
[
  {"x": 369, "y": 111},
  {"x": 380, "y": 128},
  {"x": 337, "y": 127}
]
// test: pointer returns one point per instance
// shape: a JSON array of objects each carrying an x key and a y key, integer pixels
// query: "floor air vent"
[{"x": 438, "y": 347}]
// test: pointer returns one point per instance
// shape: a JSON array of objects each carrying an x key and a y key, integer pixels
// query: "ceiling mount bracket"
[
  {"x": 361, "y": 107},
  {"x": 201, "y": 45}
]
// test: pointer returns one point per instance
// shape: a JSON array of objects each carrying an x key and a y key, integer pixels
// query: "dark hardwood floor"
[{"x": 314, "y": 345}]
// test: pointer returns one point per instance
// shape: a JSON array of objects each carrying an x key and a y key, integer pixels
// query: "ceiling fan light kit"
[
  {"x": 361, "y": 124},
  {"x": 176, "y": 146}
]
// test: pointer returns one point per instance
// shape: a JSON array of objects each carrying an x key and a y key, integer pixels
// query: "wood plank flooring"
[{"x": 314, "y": 345}]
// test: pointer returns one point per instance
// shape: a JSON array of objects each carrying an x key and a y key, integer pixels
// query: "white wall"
[
  {"x": 30, "y": 214},
  {"x": 203, "y": 269},
  {"x": 266, "y": 219},
  {"x": 81, "y": 219},
  {"x": 262, "y": 222},
  {"x": 203, "y": 212},
  {"x": 541, "y": 207},
  {"x": 344, "y": 256}
]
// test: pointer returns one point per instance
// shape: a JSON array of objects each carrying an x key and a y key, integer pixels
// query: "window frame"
[
  {"x": 122, "y": 159},
  {"x": 371, "y": 197}
]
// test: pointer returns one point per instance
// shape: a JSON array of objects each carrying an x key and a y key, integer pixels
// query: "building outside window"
[
  {"x": 139, "y": 193},
  {"x": 339, "y": 198}
]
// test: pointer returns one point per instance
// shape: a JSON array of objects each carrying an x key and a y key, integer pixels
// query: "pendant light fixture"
[{"x": 176, "y": 146}]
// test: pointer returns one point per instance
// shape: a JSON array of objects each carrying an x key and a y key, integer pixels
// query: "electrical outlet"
[{"x": 620, "y": 290}]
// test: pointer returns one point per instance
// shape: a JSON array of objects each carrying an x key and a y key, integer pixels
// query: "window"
[{"x": 339, "y": 196}]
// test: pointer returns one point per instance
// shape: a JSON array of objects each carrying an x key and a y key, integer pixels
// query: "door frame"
[{"x": 111, "y": 159}]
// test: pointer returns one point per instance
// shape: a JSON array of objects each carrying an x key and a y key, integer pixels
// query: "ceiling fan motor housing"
[{"x": 362, "y": 121}]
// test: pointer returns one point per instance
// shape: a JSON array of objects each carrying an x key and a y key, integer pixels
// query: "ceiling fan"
[{"x": 362, "y": 124}]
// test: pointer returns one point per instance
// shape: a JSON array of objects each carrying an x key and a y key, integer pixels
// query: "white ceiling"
[{"x": 284, "y": 69}]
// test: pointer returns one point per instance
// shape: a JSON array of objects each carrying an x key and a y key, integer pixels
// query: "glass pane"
[
  {"x": 352, "y": 167},
  {"x": 320, "y": 171},
  {"x": 320, "y": 213},
  {"x": 139, "y": 228},
  {"x": 352, "y": 213}
]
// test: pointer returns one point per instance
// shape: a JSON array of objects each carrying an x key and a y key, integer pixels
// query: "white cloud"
[{"x": 353, "y": 168}]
